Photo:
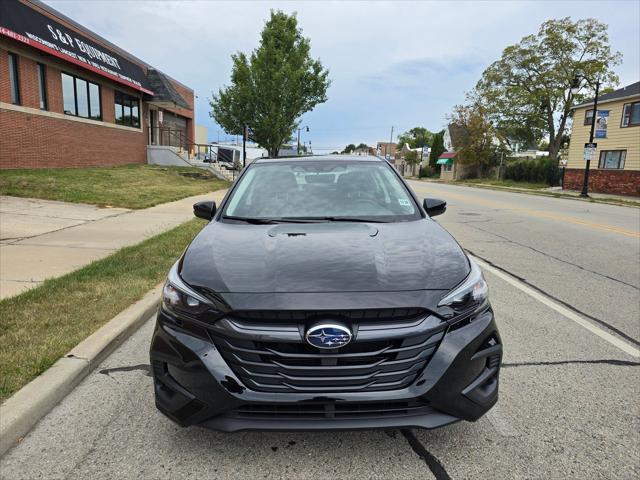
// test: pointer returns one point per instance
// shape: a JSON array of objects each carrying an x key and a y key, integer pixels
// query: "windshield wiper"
[{"x": 264, "y": 221}]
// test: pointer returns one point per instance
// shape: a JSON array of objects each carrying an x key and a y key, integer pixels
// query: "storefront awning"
[
  {"x": 20, "y": 22},
  {"x": 446, "y": 158}
]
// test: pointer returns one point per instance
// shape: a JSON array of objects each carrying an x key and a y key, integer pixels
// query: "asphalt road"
[{"x": 569, "y": 393}]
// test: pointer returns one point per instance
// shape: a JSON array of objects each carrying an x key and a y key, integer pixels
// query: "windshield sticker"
[{"x": 404, "y": 202}]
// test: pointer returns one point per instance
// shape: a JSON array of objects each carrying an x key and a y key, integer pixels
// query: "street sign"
[{"x": 589, "y": 151}]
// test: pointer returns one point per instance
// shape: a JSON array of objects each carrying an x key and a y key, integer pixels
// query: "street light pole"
[
  {"x": 585, "y": 184},
  {"x": 305, "y": 127}
]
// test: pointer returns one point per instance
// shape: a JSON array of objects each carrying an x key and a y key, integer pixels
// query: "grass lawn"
[
  {"x": 41, "y": 325},
  {"x": 129, "y": 186}
]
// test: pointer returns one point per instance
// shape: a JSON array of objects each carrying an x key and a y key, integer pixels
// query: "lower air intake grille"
[{"x": 332, "y": 410}]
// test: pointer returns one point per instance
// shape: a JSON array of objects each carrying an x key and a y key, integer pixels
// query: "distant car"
[{"x": 322, "y": 295}]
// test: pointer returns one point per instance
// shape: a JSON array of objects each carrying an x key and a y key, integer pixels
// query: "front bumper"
[{"x": 194, "y": 385}]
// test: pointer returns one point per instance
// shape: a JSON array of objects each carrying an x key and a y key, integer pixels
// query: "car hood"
[{"x": 324, "y": 257}]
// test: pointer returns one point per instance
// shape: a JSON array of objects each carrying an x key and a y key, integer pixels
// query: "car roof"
[{"x": 332, "y": 158}]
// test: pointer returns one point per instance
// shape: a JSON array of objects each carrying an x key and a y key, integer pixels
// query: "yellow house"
[{"x": 616, "y": 165}]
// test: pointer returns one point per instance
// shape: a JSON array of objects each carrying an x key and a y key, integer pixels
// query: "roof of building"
[
  {"x": 457, "y": 133},
  {"x": 624, "y": 92},
  {"x": 163, "y": 90}
]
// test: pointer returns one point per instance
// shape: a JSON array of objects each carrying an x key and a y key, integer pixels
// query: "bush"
[
  {"x": 535, "y": 170},
  {"x": 428, "y": 172}
]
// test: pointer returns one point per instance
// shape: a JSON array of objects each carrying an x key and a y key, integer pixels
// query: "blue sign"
[{"x": 602, "y": 121}]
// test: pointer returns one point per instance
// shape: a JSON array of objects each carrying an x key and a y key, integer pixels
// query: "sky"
[{"x": 392, "y": 64}]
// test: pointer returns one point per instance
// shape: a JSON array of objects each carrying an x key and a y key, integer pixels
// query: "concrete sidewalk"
[{"x": 41, "y": 239}]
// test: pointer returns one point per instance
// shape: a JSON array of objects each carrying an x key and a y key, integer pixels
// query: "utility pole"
[
  {"x": 244, "y": 146},
  {"x": 389, "y": 146},
  {"x": 585, "y": 183},
  {"x": 303, "y": 128}
]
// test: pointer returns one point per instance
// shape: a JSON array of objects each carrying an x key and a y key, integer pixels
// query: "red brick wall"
[
  {"x": 619, "y": 182},
  {"x": 30, "y": 140},
  {"x": 36, "y": 141}
]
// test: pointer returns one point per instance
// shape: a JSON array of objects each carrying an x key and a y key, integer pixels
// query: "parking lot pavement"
[{"x": 568, "y": 409}]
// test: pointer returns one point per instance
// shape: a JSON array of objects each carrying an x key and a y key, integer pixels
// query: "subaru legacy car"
[{"x": 322, "y": 295}]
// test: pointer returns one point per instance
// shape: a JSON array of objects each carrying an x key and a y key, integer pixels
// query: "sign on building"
[
  {"x": 602, "y": 121},
  {"x": 589, "y": 151}
]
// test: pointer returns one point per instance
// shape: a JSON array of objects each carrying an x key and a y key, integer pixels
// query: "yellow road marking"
[{"x": 549, "y": 215}]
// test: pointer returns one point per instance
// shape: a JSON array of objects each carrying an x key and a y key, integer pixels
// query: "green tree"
[
  {"x": 437, "y": 148},
  {"x": 481, "y": 144},
  {"x": 527, "y": 94},
  {"x": 417, "y": 137},
  {"x": 363, "y": 146},
  {"x": 412, "y": 157},
  {"x": 273, "y": 86},
  {"x": 349, "y": 148}
]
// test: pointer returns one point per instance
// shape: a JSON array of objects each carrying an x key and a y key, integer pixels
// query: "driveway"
[{"x": 42, "y": 239}]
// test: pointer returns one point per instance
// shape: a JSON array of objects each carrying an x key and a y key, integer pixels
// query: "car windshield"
[{"x": 321, "y": 190}]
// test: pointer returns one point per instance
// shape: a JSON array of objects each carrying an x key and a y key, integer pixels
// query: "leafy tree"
[
  {"x": 481, "y": 144},
  {"x": 437, "y": 148},
  {"x": 349, "y": 148},
  {"x": 412, "y": 157},
  {"x": 417, "y": 137},
  {"x": 363, "y": 146},
  {"x": 527, "y": 92},
  {"x": 273, "y": 86}
]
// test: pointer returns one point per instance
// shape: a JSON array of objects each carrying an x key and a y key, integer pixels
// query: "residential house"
[
  {"x": 616, "y": 166},
  {"x": 453, "y": 137}
]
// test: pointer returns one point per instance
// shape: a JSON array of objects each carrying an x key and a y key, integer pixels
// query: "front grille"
[
  {"x": 321, "y": 411},
  {"x": 360, "y": 366}
]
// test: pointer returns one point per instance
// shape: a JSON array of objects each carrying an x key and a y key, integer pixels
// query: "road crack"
[
  {"x": 548, "y": 255},
  {"x": 432, "y": 462},
  {"x": 619, "y": 363}
]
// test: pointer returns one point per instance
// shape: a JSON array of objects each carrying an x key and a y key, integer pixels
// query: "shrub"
[{"x": 535, "y": 170}]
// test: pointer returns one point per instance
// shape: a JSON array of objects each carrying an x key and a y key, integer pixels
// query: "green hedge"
[{"x": 539, "y": 170}]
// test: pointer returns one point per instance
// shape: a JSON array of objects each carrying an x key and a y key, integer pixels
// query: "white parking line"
[{"x": 565, "y": 312}]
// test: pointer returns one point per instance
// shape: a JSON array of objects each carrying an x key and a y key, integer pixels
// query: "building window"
[
  {"x": 81, "y": 97},
  {"x": 127, "y": 109},
  {"x": 14, "y": 79},
  {"x": 588, "y": 117},
  {"x": 630, "y": 114},
  {"x": 42, "y": 86},
  {"x": 612, "y": 159}
]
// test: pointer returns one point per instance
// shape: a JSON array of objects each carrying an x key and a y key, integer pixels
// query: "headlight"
[
  {"x": 177, "y": 296},
  {"x": 472, "y": 294}
]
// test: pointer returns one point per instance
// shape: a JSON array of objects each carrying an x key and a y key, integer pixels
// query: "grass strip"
[
  {"x": 41, "y": 325},
  {"x": 128, "y": 186}
]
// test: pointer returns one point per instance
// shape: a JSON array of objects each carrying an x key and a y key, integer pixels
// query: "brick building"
[
  {"x": 616, "y": 166},
  {"x": 70, "y": 98}
]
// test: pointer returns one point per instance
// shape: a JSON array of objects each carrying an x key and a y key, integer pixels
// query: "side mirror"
[
  {"x": 434, "y": 206},
  {"x": 204, "y": 210}
]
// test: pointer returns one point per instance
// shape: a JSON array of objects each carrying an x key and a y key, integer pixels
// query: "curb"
[{"x": 20, "y": 412}]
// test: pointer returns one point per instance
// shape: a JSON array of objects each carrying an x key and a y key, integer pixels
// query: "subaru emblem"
[{"x": 328, "y": 336}]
